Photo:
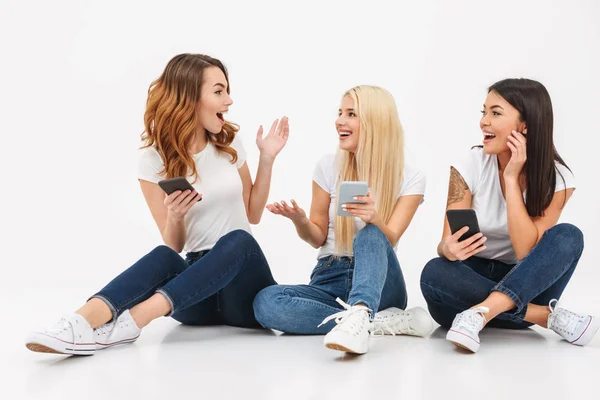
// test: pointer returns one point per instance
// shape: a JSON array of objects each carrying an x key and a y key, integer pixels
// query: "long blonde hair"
[
  {"x": 171, "y": 116},
  {"x": 379, "y": 159}
]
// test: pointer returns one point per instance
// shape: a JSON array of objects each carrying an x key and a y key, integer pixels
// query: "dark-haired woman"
[
  {"x": 512, "y": 273},
  {"x": 186, "y": 136}
]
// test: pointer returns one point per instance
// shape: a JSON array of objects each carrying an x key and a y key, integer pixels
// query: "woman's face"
[
  {"x": 214, "y": 100},
  {"x": 498, "y": 120},
  {"x": 348, "y": 125}
]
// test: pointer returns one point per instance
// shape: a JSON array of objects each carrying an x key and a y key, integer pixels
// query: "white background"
[{"x": 75, "y": 75}]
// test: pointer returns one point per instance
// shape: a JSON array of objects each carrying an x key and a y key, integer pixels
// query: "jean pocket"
[{"x": 322, "y": 263}]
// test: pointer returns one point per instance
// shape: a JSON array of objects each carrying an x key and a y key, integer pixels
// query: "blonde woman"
[
  {"x": 357, "y": 272},
  {"x": 186, "y": 136}
]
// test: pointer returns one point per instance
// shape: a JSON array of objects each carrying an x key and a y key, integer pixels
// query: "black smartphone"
[
  {"x": 174, "y": 184},
  {"x": 458, "y": 219}
]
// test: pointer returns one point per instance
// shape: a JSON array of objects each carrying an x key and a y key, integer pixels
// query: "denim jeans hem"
[
  {"x": 519, "y": 304},
  {"x": 109, "y": 303},
  {"x": 169, "y": 299}
]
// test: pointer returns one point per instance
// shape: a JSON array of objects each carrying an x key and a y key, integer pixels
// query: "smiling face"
[
  {"x": 348, "y": 125},
  {"x": 499, "y": 118},
  {"x": 214, "y": 100}
]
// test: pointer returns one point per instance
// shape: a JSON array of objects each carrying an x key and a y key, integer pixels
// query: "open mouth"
[
  {"x": 487, "y": 137},
  {"x": 344, "y": 134},
  {"x": 220, "y": 116}
]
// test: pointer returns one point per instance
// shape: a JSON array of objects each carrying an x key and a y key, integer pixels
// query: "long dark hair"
[{"x": 533, "y": 102}]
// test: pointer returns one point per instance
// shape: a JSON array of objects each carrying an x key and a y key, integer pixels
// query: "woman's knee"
[
  {"x": 239, "y": 237},
  {"x": 567, "y": 238},
  {"x": 266, "y": 306},
  {"x": 433, "y": 271},
  {"x": 167, "y": 258},
  {"x": 370, "y": 236}
]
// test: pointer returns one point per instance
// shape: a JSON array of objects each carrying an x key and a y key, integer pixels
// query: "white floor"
[{"x": 170, "y": 360}]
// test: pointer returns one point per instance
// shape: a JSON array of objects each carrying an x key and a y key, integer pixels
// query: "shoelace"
[
  {"x": 105, "y": 329},
  {"x": 344, "y": 315},
  {"x": 63, "y": 325},
  {"x": 565, "y": 320},
  {"x": 473, "y": 319},
  {"x": 385, "y": 325}
]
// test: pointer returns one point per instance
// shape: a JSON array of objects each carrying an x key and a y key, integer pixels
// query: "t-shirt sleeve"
[
  {"x": 324, "y": 174},
  {"x": 564, "y": 178},
  {"x": 241, "y": 151},
  {"x": 413, "y": 182},
  {"x": 469, "y": 167},
  {"x": 150, "y": 165}
]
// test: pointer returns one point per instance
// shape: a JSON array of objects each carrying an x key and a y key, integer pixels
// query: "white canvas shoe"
[
  {"x": 575, "y": 328},
  {"x": 351, "y": 334},
  {"x": 71, "y": 335},
  {"x": 395, "y": 321},
  {"x": 122, "y": 331},
  {"x": 466, "y": 327}
]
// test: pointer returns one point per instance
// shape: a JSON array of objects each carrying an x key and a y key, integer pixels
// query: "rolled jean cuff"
[
  {"x": 366, "y": 304},
  {"x": 109, "y": 303},
  {"x": 519, "y": 314},
  {"x": 169, "y": 299}
]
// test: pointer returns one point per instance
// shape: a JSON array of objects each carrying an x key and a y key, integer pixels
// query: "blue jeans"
[
  {"x": 212, "y": 287},
  {"x": 372, "y": 277},
  {"x": 450, "y": 287}
]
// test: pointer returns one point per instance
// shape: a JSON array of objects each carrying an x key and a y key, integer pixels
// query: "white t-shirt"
[
  {"x": 222, "y": 208},
  {"x": 325, "y": 175},
  {"x": 480, "y": 172}
]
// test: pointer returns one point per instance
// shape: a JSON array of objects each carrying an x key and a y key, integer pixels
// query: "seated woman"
[
  {"x": 512, "y": 273},
  {"x": 357, "y": 269},
  {"x": 186, "y": 136}
]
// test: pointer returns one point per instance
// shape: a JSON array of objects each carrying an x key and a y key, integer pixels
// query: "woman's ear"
[{"x": 523, "y": 128}]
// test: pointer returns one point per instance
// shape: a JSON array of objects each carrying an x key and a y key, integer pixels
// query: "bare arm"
[
  {"x": 525, "y": 232},
  {"x": 459, "y": 197},
  {"x": 169, "y": 212},
  {"x": 312, "y": 230},
  {"x": 404, "y": 211},
  {"x": 256, "y": 194}
]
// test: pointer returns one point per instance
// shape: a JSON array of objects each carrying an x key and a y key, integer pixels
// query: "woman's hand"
[
  {"x": 455, "y": 250},
  {"x": 517, "y": 143},
  {"x": 272, "y": 144},
  {"x": 293, "y": 212},
  {"x": 366, "y": 212},
  {"x": 179, "y": 203}
]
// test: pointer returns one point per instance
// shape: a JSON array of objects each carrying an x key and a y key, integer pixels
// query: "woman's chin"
[{"x": 347, "y": 147}]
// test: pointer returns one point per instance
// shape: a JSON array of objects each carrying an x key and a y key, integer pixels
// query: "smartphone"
[
  {"x": 458, "y": 219},
  {"x": 348, "y": 190},
  {"x": 174, "y": 184}
]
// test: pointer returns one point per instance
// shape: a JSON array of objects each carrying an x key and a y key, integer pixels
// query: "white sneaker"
[
  {"x": 394, "y": 321},
  {"x": 575, "y": 328},
  {"x": 465, "y": 328},
  {"x": 351, "y": 334},
  {"x": 71, "y": 335},
  {"x": 122, "y": 331}
]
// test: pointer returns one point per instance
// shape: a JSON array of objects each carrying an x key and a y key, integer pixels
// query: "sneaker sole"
[
  {"x": 101, "y": 346},
  {"x": 463, "y": 341},
  {"x": 339, "y": 347},
  {"x": 47, "y": 344},
  {"x": 588, "y": 333}
]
